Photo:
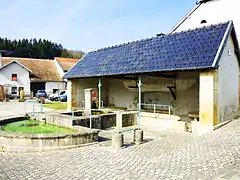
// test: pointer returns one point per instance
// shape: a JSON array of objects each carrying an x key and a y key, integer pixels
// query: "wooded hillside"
[{"x": 34, "y": 48}]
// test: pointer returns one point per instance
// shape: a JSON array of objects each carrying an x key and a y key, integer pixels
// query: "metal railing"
[
  {"x": 156, "y": 107},
  {"x": 33, "y": 106},
  {"x": 15, "y": 108}
]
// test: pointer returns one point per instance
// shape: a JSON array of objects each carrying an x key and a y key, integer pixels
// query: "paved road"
[
  {"x": 14, "y": 108},
  {"x": 165, "y": 155}
]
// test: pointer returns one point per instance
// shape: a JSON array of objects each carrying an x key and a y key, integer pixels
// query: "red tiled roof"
[
  {"x": 42, "y": 69},
  {"x": 66, "y": 63}
]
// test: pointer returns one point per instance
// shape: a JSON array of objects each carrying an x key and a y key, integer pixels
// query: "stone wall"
[
  {"x": 72, "y": 94},
  {"x": 56, "y": 118},
  {"x": 19, "y": 142},
  {"x": 98, "y": 121},
  {"x": 129, "y": 119},
  {"x": 102, "y": 121}
]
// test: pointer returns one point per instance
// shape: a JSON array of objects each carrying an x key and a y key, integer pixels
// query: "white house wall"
[
  {"x": 23, "y": 79},
  {"x": 214, "y": 12},
  {"x": 59, "y": 68},
  {"x": 50, "y": 86},
  {"x": 228, "y": 73}
]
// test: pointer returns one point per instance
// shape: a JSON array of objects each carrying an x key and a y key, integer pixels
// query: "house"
[
  {"x": 32, "y": 74},
  {"x": 207, "y": 12},
  {"x": 194, "y": 71},
  {"x": 64, "y": 64}
]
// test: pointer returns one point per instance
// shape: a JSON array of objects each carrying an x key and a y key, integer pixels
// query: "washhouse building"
[{"x": 193, "y": 71}]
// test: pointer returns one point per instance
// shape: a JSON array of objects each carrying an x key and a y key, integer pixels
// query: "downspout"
[
  {"x": 99, "y": 93},
  {"x": 139, "y": 100}
]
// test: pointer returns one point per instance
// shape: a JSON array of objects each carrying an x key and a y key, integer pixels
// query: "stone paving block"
[{"x": 169, "y": 155}]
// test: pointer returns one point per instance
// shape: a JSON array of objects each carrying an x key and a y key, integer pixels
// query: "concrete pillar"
[
  {"x": 72, "y": 94},
  {"x": 117, "y": 140},
  {"x": 208, "y": 98},
  {"x": 138, "y": 136},
  {"x": 88, "y": 98},
  {"x": 119, "y": 120}
]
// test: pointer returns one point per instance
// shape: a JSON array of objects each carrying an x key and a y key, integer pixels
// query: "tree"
[{"x": 34, "y": 48}]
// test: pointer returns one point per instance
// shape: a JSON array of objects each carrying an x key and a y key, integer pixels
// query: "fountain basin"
[{"x": 27, "y": 142}]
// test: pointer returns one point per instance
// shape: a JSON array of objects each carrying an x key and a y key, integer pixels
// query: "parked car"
[
  {"x": 63, "y": 98},
  {"x": 51, "y": 96},
  {"x": 58, "y": 95},
  {"x": 41, "y": 93}
]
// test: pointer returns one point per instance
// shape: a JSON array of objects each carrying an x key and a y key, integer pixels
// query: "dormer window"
[
  {"x": 14, "y": 77},
  {"x": 204, "y": 21}
]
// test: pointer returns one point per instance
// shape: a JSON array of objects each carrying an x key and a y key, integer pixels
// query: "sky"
[{"x": 90, "y": 24}]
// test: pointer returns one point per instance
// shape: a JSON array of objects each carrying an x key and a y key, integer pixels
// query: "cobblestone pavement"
[
  {"x": 164, "y": 155},
  {"x": 231, "y": 173}
]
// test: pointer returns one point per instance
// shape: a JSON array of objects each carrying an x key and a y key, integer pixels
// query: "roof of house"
[
  {"x": 66, "y": 63},
  {"x": 42, "y": 70},
  {"x": 199, "y": 48},
  {"x": 14, "y": 61}
]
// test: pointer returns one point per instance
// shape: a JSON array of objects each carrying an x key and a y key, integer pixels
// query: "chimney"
[{"x": 160, "y": 34}]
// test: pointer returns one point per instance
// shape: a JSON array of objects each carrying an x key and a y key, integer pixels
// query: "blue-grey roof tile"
[{"x": 192, "y": 49}]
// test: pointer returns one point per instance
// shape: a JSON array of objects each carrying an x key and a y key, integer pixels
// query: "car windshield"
[
  {"x": 56, "y": 92},
  {"x": 62, "y": 92},
  {"x": 41, "y": 91}
]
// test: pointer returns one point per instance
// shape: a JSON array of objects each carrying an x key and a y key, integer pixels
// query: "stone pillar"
[
  {"x": 138, "y": 136},
  {"x": 119, "y": 120},
  {"x": 117, "y": 140},
  {"x": 208, "y": 98},
  {"x": 72, "y": 94},
  {"x": 88, "y": 98}
]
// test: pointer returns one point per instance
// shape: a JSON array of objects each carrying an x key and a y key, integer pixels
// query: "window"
[
  {"x": 63, "y": 92},
  {"x": 229, "y": 52},
  {"x": 14, "y": 77},
  {"x": 203, "y": 21},
  {"x": 14, "y": 90}
]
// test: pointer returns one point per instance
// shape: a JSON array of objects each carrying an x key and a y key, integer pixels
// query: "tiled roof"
[
  {"x": 66, "y": 63},
  {"x": 42, "y": 70},
  {"x": 192, "y": 49}
]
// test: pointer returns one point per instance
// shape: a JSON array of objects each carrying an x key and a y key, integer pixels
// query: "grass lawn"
[{"x": 56, "y": 105}]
